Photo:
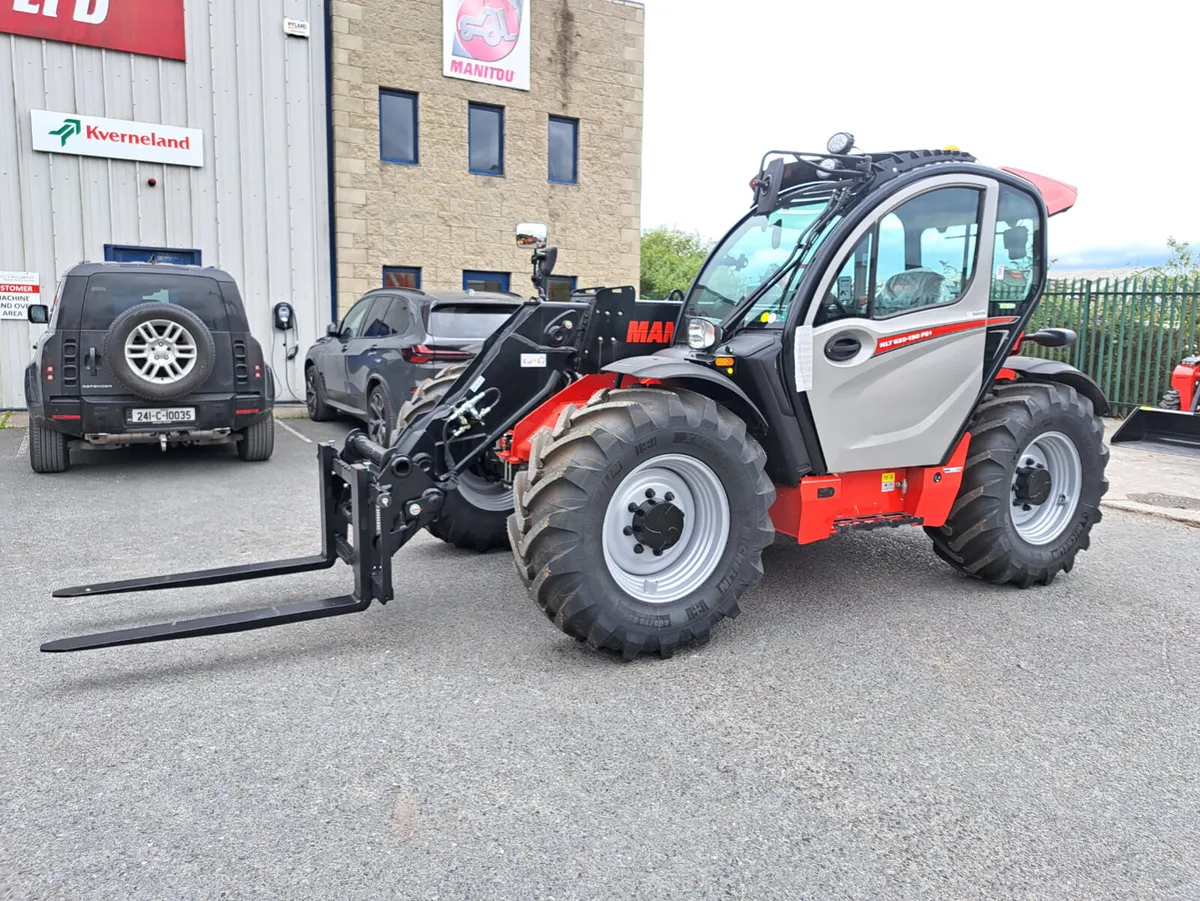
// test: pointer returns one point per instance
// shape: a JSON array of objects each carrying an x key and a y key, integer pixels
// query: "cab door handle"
[{"x": 842, "y": 348}]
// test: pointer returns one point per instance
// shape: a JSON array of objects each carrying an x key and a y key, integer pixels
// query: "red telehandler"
[{"x": 845, "y": 361}]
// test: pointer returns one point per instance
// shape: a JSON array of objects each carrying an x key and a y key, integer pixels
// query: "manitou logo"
[
  {"x": 90, "y": 12},
  {"x": 487, "y": 41},
  {"x": 650, "y": 333}
]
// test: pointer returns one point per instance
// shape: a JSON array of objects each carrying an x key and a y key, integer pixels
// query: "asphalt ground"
[{"x": 873, "y": 725}]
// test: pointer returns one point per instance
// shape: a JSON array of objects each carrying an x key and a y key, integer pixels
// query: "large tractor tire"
[
  {"x": 474, "y": 516},
  {"x": 641, "y": 519},
  {"x": 1031, "y": 486}
]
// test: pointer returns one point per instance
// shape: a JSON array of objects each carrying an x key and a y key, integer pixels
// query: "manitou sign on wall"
[
  {"x": 149, "y": 27},
  {"x": 487, "y": 41}
]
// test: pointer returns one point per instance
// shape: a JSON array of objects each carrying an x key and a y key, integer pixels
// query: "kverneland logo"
[
  {"x": 72, "y": 127},
  {"x": 69, "y": 128}
]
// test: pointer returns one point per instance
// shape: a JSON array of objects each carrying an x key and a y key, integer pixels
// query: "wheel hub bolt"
[
  {"x": 649, "y": 492},
  {"x": 638, "y": 549},
  {"x": 668, "y": 497},
  {"x": 658, "y": 553},
  {"x": 633, "y": 508},
  {"x": 628, "y": 530}
]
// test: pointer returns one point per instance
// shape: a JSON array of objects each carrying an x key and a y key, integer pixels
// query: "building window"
[
  {"x": 561, "y": 287},
  {"x": 485, "y": 137},
  {"x": 401, "y": 277},
  {"x": 485, "y": 281},
  {"x": 564, "y": 150},
  {"x": 398, "y": 127}
]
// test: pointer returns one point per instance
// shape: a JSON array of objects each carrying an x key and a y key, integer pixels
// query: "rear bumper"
[{"x": 107, "y": 420}]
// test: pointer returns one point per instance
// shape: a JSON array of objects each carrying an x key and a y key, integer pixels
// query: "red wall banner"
[{"x": 149, "y": 27}]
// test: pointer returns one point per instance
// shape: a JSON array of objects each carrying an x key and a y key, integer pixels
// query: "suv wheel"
[
  {"x": 314, "y": 396},
  {"x": 380, "y": 420},
  {"x": 160, "y": 351},
  {"x": 257, "y": 442},
  {"x": 48, "y": 451}
]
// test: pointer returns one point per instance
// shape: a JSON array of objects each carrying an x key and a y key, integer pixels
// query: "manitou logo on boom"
[
  {"x": 90, "y": 12},
  {"x": 650, "y": 333}
]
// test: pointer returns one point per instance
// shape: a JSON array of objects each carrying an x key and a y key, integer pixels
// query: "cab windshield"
[{"x": 749, "y": 256}]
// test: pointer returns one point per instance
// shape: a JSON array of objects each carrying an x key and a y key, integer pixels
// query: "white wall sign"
[
  {"x": 487, "y": 41},
  {"x": 297, "y": 28},
  {"x": 17, "y": 291},
  {"x": 116, "y": 139}
]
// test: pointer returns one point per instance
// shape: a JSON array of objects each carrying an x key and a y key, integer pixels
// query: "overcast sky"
[{"x": 1099, "y": 95}]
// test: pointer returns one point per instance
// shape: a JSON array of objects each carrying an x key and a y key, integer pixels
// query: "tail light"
[
  {"x": 422, "y": 354},
  {"x": 258, "y": 370},
  {"x": 49, "y": 373}
]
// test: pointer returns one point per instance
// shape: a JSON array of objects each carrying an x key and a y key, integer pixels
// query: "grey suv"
[
  {"x": 389, "y": 342},
  {"x": 145, "y": 353}
]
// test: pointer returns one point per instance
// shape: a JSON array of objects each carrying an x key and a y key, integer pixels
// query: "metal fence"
[{"x": 1131, "y": 332}]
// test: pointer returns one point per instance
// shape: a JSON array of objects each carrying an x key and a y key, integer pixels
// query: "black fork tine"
[
  {"x": 204, "y": 577},
  {"x": 213, "y": 625}
]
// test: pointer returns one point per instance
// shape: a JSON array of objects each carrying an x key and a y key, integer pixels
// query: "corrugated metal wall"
[{"x": 258, "y": 207}]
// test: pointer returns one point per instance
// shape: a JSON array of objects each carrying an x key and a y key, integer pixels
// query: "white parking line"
[
  {"x": 286, "y": 427},
  {"x": 24, "y": 444}
]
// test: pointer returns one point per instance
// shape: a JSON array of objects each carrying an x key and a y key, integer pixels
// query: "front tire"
[
  {"x": 1031, "y": 487},
  {"x": 666, "y": 471},
  {"x": 474, "y": 516},
  {"x": 314, "y": 395},
  {"x": 1171, "y": 400},
  {"x": 48, "y": 450}
]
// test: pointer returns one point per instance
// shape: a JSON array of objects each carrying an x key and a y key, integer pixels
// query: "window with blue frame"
[
  {"x": 475, "y": 280},
  {"x": 564, "y": 150},
  {"x": 485, "y": 139},
  {"x": 398, "y": 127},
  {"x": 562, "y": 287},
  {"x": 125, "y": 253},
  {"x": 402, "y": 277}
]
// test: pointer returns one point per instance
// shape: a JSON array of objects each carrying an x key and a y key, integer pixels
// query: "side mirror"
[
  {"x": 332, "y": 330},
  {"x": 1053, "y": 337},
  {"x": 38, "y": 313},
  {"x": 530, "y": 234},
  {"x": 767, "y": 186},
  {"x": 549, "y": 259}
]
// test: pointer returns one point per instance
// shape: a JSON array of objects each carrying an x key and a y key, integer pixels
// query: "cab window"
[
  {"x": 920, "y": 255},
  {"x": 1018, "y": 245}
]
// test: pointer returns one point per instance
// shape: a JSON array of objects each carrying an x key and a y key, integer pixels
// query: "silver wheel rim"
[
  {"x": 161, "y": 352},
  {"x": 687, "y": 565},
  {"x": 1057, "y": 454},
  {"x": 483, "y": 494},
  {"x": 310, "y": 383}
]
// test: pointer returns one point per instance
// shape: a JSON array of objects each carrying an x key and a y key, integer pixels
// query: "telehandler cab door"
[{"x": 891, "y": 349}]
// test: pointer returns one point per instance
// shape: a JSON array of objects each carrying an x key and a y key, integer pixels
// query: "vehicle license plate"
[{"x": 163, "y": 416}]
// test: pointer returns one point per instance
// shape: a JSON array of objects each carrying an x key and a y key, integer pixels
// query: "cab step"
[{"x": 876, "y": 521}]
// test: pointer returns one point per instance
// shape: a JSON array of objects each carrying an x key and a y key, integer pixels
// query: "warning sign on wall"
[{"x": 17, "y": 291}]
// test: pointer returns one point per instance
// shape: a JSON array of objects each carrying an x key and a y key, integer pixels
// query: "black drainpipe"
[{"x": 333, "y": 256}]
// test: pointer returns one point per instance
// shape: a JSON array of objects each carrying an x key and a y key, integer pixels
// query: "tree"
[
  {"x": 1182, "y": 262},
  {"x": 670, "y": 259}
]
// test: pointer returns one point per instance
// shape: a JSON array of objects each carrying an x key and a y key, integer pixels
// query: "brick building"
[{"x": 433, "y": 171}]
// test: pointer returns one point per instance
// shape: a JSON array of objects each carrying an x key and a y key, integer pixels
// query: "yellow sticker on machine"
[{"x": 889, "y": 481}]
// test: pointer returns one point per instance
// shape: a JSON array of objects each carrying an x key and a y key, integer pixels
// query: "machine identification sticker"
[
  {"x": 804, "y": 358},
  {"x": 889, "y": 481},
  {"x": 17, "y": 291},
  {"x": 533, "y": 361}
]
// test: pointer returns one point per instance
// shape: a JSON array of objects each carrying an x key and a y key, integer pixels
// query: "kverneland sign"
[
  {"x": 149, "y": 27},
  {"x": 116, "y": 139}
]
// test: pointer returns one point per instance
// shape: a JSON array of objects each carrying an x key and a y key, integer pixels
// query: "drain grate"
[{"x": 1173, "y": 501}]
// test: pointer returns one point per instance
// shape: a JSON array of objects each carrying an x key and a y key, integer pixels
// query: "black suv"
[{"x": 146, "y": 353}]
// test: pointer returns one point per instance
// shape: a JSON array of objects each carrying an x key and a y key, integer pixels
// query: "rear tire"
[
  {"x": 314, "y": 396},
  {"x": 381, "y": 421},
  {"x": 1028, "y": 426},
  {"x": 573, "y": 519},
  {"x": 476, "y": 515},
  {"x": 48, "y": 450},
  {"x": 258, "y": 441}
]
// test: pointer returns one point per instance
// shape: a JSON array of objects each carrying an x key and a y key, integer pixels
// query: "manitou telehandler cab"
[{"x": 847, "y": 359}]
